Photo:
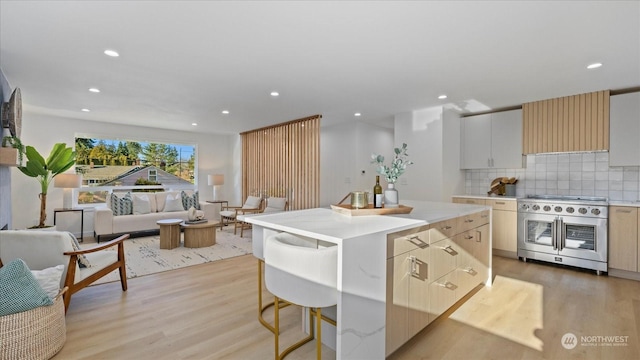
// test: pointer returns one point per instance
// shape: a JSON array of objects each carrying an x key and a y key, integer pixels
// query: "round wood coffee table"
[
  {"x": 169, "y": 233},
  {"x": 199, "y": 234}
]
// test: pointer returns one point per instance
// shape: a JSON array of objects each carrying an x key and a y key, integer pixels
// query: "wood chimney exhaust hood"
[{"x": 566, "y": 124}]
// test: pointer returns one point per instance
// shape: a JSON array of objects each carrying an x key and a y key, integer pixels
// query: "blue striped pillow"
[
  {"x": 122, "y": 205},
  {"x": 189, "y": 201}
]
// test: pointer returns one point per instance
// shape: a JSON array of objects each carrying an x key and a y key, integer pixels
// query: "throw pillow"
[
  {"x": 252, "y": 202},
  {"x": 83, "y": 262},
  {"x": 49, "y": 279},
  {"x": 19, "y": 290},
  {"x": 189, "y": 201},
  {"x": 173, "y": 204},
  {"x": 121, "y": 205},
  {"x": 141, "y": 204}
]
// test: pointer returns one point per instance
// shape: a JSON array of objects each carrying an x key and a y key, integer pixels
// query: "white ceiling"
[{"x": 186, "y": 61}]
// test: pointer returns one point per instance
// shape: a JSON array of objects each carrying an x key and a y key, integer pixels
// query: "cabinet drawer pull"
[
  {"x": 448, "y": 284},
  {"x": 626, "y": 211},
  {"x": 449, "y": 250},
  {"x": 500, "y": 202},
  {"x": 484, "y": 216},
  {"x": 415, "y": 240},
  {"x": 468, "y": 237},
  {"x": 469, "y": 221},
  {"x": 471, "y": 271},
  {"x": 446, "y": 227},
  {"x": 479, "y": 237}
]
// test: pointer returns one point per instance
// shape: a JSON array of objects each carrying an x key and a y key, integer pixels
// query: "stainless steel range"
[{"x": 569, "y": 230}]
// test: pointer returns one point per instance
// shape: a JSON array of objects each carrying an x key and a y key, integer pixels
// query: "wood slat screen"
[
  {"x": 283, "y": 161},
  {"x": 570, "y": 123}
]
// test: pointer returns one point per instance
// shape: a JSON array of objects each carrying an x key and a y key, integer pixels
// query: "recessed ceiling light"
[
  {"x": 225, "y": 112},
  {"x": 357, "y": 114},
  {"x": 85, "y": 110},
  {"x": 442, "y": 97},
  {"x": 275, "y": 93},
  {"x": 111, "y": 53},
  {"x": 94, "y": 90},
  {"x": 594, "y": 66},
  {"x": 194, "y": 124}
]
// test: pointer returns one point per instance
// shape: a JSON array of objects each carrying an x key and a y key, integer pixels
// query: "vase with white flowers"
[{"x": 392, "y": 173}]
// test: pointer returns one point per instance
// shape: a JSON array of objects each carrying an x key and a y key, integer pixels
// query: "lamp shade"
[
  {"x": 67, "y": 181},
  {"x": 214, "y": 180}
]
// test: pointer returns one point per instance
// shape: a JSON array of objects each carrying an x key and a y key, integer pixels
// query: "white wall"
[
  {"x": 434, "y": 147},
  {"x": 345, "y": 151},
  {"x": 214, "y": 154}
]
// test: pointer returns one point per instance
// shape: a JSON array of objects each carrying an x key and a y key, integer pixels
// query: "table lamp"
[
  {"x": 215, "y": 180},
  {"x": 68, "y": 182}
]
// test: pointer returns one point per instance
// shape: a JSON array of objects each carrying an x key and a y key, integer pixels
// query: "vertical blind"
[{"x": 283, "y": 161}]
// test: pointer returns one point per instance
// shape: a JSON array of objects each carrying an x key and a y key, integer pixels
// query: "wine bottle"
[{"x": 377, "y": 193}]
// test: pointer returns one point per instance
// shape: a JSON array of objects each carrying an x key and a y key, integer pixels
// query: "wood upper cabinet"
[
  {"x": 625, "y": 130},
  {"x": 571, "y": 123},
  {"x": 492, "y": 140}
]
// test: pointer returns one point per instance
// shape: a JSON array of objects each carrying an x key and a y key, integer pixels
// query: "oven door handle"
[{"x": 558, "y": 234}]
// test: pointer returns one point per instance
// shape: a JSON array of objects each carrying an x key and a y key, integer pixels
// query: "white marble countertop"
[
  {"x": 326, "y": 224},
  {"x": 486, "y": 197}
]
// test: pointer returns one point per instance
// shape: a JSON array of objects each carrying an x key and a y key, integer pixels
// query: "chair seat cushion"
[
  {"x": 19, "y": 289},
  {"x": 228, "y": 214},
  {"x": 99, "y": 260}
]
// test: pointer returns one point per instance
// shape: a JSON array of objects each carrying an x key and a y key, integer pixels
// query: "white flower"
[{"x": 398, "y": 165}]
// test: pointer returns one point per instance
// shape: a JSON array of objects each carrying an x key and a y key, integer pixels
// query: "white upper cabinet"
[
  {"x": 492, "y": 141},
  {"x": 624, "y": 123}
]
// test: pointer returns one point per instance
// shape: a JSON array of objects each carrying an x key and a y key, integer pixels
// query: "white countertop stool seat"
[{"x": 301, "y": 273}]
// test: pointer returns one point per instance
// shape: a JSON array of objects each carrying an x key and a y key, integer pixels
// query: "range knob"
[
  {"x": 595, "y": 211},
  {"x": 546, "y": 208},
  {"x": 570, "y": 210},
  {"x": 582, "y": 211},
  {"x": 557, "y": 208},
  {"x": 524, "y": 207},
  {"x": 536, "y": 207}
]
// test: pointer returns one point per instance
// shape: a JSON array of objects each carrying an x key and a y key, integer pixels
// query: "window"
[{"x": 131, "y": 165}]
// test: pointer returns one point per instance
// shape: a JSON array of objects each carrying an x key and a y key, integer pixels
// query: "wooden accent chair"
[
  {"x": 274, "y": 205},
  {"x": 44, "y": 249},
  {"x": 230, "y": 214}
]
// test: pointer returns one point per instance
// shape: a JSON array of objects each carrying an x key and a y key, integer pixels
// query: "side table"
[
  {"x": 80, "y": 210},
  {"x": 226, "y": 204},
  {"x": 169, "y": 233},
  {"x": 200, "y": 234}
]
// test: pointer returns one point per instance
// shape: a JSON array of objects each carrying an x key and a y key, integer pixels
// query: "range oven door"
[
  {"x": 538, "y": 232},
  {"x": 583, "y": 237}
]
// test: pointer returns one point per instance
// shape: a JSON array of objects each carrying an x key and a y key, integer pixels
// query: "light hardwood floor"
[{"x": 209, "y": 312}]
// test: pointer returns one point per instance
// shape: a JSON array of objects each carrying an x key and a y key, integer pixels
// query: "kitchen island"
[{"x": 396, "y": 273}]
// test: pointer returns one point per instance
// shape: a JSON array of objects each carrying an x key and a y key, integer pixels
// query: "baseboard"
[
  {"x": 630, "y": 275},
  {"x": 505, "y": 253}
]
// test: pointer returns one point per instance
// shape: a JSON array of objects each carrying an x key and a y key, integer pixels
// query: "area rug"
[{"x": 144, "y": 256}]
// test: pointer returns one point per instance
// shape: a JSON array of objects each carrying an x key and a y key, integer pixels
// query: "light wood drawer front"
[
  {"x": 472, "y": 221},
  {"x": 472, "y": 201},
  {"x": 444, "y": 257},
  {"x": 407, "y": 240},
  {"x": 442, "y": 294},
  {"x": 442, "y": 230},
  {"x": 507, "y": 205}
]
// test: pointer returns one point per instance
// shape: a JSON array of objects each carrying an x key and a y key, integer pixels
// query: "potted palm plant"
[{"x": 60, "y": 159}]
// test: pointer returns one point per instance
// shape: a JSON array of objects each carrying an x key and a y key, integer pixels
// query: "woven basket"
[{"x": 35, "y": 334}]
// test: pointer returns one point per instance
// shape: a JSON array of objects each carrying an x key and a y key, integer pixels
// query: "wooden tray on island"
[{"x": 346, "y": 209}]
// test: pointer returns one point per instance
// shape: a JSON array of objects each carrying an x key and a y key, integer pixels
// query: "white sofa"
[{"x": 105, "y": 223}]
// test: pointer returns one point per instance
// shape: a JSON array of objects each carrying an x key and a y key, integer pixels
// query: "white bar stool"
[{"x": 302, "y": 274}]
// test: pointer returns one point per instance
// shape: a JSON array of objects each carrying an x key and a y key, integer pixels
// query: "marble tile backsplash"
[{"x": 586, "y": 174}]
